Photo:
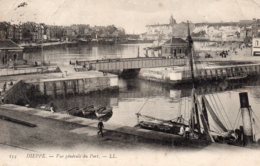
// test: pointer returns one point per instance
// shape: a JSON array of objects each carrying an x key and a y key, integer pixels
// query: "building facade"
[
  {"x": 174, "y": 48},
  {"x": 159, "y": 31},
  {"x": 10, "y": 53},
  {"x": 256, "y": 46}
]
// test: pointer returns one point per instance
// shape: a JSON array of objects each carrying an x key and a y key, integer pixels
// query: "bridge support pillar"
[{"x": 129, "y": 73}]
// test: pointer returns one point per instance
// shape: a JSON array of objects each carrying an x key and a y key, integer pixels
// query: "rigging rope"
[
  {"x": 254, "y": 114},
  {"x": 213, "y": 105},
  {"x": 180, "y": 107},
  {"x": 224, "y": 110},
  {"x": 219, "y": 109},
  {"x": 256, "y": 123},
  {"x": 185, "y": 107},
  {"x": 237, "y": 119},
  {"x": 143, "y": 106}
]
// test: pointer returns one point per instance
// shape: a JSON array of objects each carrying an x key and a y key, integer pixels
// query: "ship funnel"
[{"x": 246, "y": 118}]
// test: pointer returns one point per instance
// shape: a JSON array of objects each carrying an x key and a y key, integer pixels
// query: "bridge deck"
[
  {"x": 153, "y": 62},
  {"x": 226, "y": 71},
  {"x": 147, "y": 62},
  {"x": 130, "y": 63}
]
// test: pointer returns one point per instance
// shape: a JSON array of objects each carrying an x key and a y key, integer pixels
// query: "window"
[{"x": 256, "y": 43}]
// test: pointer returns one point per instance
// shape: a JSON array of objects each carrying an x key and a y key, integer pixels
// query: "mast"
[
  {"x": 190, "y": 55},
  {"x": 195, "y": 120}
]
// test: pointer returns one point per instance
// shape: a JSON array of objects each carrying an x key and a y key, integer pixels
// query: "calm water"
[
  {"x": 63, "y": 54},
  {"x": 149, "y": 98}
]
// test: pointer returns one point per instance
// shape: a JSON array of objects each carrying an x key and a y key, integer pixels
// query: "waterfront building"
[
  {"x": 256, "y": 28},
  {"x": 10, "y": 52},
  {"x": 38, "y": 33},
  {"x": 228, "y": 31},
  {"x": 159, "y": 31},
  {"x": 256, "y": 46},
  {"x": 3, "y": 30},
  {"x": 175, "y": 47},
  {"x": 14, "y": 32}
]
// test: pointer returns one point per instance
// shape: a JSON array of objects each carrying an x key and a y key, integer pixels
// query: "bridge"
[
  {"x": 130, "y": 63},
  {"x": 146, "y": 62},
  {"x": 131, "y": 66}
]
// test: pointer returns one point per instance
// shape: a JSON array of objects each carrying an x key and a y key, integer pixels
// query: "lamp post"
[{"x": 42, "y": 37}]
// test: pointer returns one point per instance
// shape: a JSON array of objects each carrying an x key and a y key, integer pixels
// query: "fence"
[{"x": 21, "y": 71}]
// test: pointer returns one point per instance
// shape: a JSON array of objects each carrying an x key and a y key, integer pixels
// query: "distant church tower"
[{"x": 172, "y": 21}]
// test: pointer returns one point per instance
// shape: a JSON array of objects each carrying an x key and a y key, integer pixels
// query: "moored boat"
[
  {"x": 103, "y": 111},
  {"x": 92, "y": 112}
]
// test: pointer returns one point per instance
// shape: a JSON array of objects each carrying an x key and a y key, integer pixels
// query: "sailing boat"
[
  {"x": 196, "y": 127},
  {"x": 189, "y": 129}
]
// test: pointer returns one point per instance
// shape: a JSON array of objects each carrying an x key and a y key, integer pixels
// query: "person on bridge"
[{"x": 100, "y": 128}]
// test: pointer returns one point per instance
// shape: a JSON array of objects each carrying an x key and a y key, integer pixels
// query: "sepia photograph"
[{"x": 130, "y": 82}]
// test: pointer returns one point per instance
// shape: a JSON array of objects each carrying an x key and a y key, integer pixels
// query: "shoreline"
[{"x": 72, "y": 43}]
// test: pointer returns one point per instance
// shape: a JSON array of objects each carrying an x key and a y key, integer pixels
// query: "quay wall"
[
  {"x": 22, "y": 91},
  {"x": 35, "y": 46},
  {"x": 31, "y": 70},
  {"x": 78, "y": 85},
  {"x": 16, "y": 93},
  {"x": 170, "y": 75}
]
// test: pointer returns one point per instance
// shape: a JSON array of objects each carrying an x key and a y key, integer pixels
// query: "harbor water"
[{"x": 149, "y": 98}]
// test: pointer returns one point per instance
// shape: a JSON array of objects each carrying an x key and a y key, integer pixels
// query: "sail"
[
  {"x": 213, "y": 115},
  {"x": 203, "y": 119}
]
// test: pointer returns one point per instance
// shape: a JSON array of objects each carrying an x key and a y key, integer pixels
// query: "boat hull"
[{"x": 176, "y": 138}]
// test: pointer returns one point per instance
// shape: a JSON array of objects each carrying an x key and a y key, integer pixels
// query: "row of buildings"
[
  {"x": 170, "y": 38},
  {"x": 33, "y": 32},
  {"x": 222, "y": 31}
]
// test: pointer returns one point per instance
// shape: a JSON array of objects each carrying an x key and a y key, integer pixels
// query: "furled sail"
[{"x": 213, "y": 115}]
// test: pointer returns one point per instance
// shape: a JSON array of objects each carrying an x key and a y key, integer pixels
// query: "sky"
[{"x": 132, "y": 15}]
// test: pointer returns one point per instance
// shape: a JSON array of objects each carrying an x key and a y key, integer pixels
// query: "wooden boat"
[
  {"x": 91, "y": 112},
  {"x": 103, "y": 111},
  {"x": 88, "y": 110}
]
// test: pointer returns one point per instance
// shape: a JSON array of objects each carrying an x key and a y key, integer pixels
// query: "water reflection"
[{"x": 63, "y": 54}]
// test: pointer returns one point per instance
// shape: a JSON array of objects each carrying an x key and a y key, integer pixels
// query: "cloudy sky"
[{"x": 132, "y": 15}]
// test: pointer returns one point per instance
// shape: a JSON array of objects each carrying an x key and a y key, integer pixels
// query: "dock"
[
  {"x": 207, "y": 73},
  {"x": 57, "y": 84},
  {"x": 79, "y": 83},
  {"x": 85, "y": 125}
]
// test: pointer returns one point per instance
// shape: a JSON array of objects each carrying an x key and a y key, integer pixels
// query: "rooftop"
[
  {"x": 9, "y": 44},
  {"x": 157, "y": 25},
  {"x": 175, "y": 40}
]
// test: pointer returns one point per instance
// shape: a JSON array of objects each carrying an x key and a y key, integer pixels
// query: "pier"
[
  {"x": 225, "y": 72},
  {"x": 79, "y": 83},
  {"x": 55, "y": 84},
  {"x": 201, "y": 74},
  {"x": 85, "y": 126}
]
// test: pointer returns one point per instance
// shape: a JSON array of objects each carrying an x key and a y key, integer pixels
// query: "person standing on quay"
[{"x": 100, "y": 128}]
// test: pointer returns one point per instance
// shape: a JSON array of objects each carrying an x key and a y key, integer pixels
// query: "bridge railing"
[{"x": 130, "y": 63}]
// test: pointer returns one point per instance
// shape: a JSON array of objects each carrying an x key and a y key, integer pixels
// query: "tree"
[{"x": 4, "y": 26}]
